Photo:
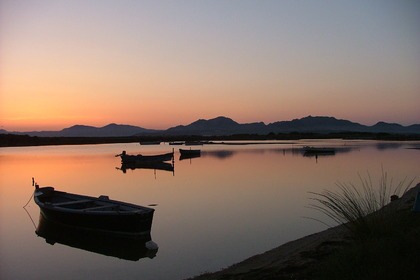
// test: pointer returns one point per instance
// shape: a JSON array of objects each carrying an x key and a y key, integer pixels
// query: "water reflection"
[
  {"x": 108, "y": 244},
  {"x": 164, "y": 166},
  {"x": 221, "y": 154}
]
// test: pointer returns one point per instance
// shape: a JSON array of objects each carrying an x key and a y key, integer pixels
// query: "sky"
[{"x": 157, "y": 64}]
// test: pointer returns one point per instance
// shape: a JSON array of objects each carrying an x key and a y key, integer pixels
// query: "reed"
[{"x": 361, "y": 208}]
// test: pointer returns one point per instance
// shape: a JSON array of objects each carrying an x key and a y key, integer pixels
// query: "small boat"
[
  {"x": 122, "y": 247},
  {"x": 95, "y": 213},
  {"x": 188, "y": 154},
  {"x": 145, "y": 158},
  {"x": 318, "y": 151},
  {"x": 149, "y": 142}
]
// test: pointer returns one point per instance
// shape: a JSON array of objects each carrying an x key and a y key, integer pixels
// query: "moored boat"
[
  {"x": 318, "y": 150},
  {"x": 149, "y": 142},
  {"x": 190, "y": 152},
  {"x": 95, "y": 213},
  {"x": 187, "y": 154},
  {"x": 125, "y": 158}
]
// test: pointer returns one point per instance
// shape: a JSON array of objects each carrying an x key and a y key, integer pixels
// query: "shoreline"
[
  {"x": 294, "y": 259},
  {"x": 15, "y": 140}
]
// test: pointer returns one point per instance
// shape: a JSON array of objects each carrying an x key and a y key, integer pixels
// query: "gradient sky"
[{"x": 157, "y": 64}]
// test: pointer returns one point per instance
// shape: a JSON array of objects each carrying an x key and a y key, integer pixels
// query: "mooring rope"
[{"x": 28, "y": 200}]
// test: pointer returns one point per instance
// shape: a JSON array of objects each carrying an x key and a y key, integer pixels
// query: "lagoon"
[{"x": 233, "y": 202}]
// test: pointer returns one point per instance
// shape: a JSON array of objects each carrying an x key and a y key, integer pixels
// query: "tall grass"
[{"x": 360, "y": 208}]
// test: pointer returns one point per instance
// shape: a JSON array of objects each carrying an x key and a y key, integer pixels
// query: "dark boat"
[
  {"x": 147, "y": 158},
  {"x": 96, "y": 213},
  {"x": 186, "y": 154},
  {"x": 190, "y": 152},
  {"x": 309, "y": 151},
  {"x": 165, "y": 166},
  {"x": 108, "y": 244},
  {"x": 149, "y": 142}
]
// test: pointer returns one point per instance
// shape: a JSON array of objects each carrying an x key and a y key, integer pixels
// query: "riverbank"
[{"x": 333, "y": 254}]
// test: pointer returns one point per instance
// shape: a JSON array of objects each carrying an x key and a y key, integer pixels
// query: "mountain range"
[{"x": 226, "y": 126}]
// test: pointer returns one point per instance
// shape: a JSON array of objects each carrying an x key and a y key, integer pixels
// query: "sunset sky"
[{"x": 158, "y": 64}]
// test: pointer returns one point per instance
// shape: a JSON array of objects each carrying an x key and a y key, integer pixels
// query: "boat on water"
[
  {"x": 94, "y": 213},
  {"x": 149, "y": 142},
  {"x": 190, "y": 152},
  {"x": 104, "y": 243},
  {"x": 125, "y": 158},
  {"x": 187, "y": 154},
  {"x": 318, "y": 151}
]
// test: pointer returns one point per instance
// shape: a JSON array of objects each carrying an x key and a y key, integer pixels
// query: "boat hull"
[{"x": 101, "y": 214}]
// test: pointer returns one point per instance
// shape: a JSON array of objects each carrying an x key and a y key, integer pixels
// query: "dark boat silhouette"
[
  {"x": 125, "y": 158},
  {"x": 96, "y": 213},
  {"x": 317, "y": 151},
  {"x": 187, "y": 154},
  {"x": 104, "y": 243}
]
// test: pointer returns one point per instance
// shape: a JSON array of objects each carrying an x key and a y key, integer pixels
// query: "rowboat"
[
  {"x": 186, "y": 154},
  {"x": 104, "y": 243},
  {"x": 318, "y": 151},
  {"x": 95, "y": 213},
  {"x": 145, "y": 158},
  {"x": 149, "y": 142},
  {"x": 190, "y": 152}
]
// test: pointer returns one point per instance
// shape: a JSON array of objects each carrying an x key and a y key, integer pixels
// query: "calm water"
[{"x": 229, "y": 204}]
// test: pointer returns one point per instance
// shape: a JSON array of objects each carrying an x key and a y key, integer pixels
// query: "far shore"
[{"x": 15, "y": 140}]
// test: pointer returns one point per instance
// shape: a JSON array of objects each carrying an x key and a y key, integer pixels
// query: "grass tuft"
[{"x": 360, "y": 208}]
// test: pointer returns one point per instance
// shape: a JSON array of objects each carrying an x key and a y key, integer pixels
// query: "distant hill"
[
  {"x": 223, "y": 126},
  {"x": 226, "y": 126},
  {"x": 216, "y": 126},
  {"x": 110, "y": 130}
]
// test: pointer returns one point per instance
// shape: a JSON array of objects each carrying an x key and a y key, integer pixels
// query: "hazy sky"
[{"x": 157, "y": 64}]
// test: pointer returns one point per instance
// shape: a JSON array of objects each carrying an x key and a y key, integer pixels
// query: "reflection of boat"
[
  {"x": 98, "y": 213},
  {"x": 148, "y": 165},
  {"x": 123, "y": 247},
  {"x": 143, "y": 159},
  {"x": 309, "y": 151}
]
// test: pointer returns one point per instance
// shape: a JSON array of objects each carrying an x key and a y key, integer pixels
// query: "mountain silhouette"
[{"x": 224, "y": 126}]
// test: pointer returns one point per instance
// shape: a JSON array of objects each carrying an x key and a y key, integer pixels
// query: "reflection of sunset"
[{"x": 237, "y": 199}]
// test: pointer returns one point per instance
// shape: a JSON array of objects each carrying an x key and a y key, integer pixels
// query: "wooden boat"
[
  {"x": 318, "y": 151},
  {"x": 149, "y": 142},
  {"x": 190, "y": 152},
  {"x": 145, "y": 158},
  {"x": 95, "y": 213},
  {"x": 104, "y": 243}
]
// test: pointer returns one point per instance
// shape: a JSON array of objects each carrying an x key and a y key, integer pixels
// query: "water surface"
[{"x": 233, "y": 202}]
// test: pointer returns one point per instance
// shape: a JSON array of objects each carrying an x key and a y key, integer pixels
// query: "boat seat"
[
  {"x": 71, "y": 202},
  {"x": 99, "y": 207}
]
